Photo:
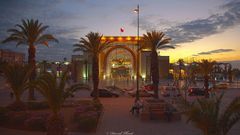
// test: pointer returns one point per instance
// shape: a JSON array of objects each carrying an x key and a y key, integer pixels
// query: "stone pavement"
[{"x": 117, "y": 119}]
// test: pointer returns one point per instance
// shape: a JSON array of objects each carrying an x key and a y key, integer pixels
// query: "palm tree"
[
  {"x": 17, "y": 77},
  {"x": 181, "y": 66},
  {"x": 206, "y": 67},
  {"x": 207, "y": 115},
  {"x": 155, "y": 40},
  {"x": 94, "y": 46},
  {"x": 55, "y": 92},
  {"x": 30, "y": 33}
]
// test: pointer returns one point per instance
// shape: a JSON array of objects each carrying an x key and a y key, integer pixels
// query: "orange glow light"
[
  {"x": 111, "y": 38},
  {"x": 103, "y": 38},
  {"x": 128, "y": 38},
  {"x": 119, "y": 38}
]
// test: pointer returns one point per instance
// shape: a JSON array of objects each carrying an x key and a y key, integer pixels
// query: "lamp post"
[{"x": 137, "y": 64}]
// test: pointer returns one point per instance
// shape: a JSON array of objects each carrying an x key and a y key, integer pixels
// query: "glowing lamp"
[{"x": 128, "y": 38}]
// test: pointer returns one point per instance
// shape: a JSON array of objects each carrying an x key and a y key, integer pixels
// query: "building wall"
[
  {"x": 164, "y": 66},
  {"x": 11, "y": 57},
  {"x": 145, "y": 67}
]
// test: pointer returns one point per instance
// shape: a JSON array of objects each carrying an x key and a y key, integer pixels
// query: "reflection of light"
[
  {"x": 146, "y": 49},
  {"x": 128, "y": 38},
  {"x": 143, "y": 76},
  {"x": 104, "y": 76},
  {"x": 57, "y": 62},
  {"x": 103, "y": 38},
  {"x": 113, "y": 65}
]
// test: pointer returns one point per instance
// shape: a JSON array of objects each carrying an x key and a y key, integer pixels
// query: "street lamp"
[{"x": 137, "y": 64}]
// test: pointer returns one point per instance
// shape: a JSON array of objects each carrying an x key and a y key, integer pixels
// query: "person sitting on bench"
[{"x": 136, "y": 107}]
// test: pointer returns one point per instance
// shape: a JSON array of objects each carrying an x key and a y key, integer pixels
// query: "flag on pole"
[
  {"x": 121, "y": 29},
  {"x": 136, "y": 10}
]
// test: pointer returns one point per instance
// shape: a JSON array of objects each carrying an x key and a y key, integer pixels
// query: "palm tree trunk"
[
  {"x": 206, "y": 79},
  {"x": 95, "y": 72},
  {"x": 56, "y": 125},
  {"x": 32, "y": 62},
  {"x": 155, "y": 72},
  {"x": 180, "y": 73}
]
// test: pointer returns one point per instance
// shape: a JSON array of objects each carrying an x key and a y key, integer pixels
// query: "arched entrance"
[{"x": 119, "y": 62}]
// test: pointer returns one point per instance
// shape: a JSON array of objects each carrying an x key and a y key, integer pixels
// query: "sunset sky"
[{"x": 198, "y": 28}]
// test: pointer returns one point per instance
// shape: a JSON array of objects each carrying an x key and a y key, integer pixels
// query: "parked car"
[
  {"x": 148, "y": 87},
  {"x": 196, "y": 91},
  {"x": 115, "y": 89},
  {"x": 142, "y": 93},
  {"x": 105, "y": 93},
  {"x": 222, "y": 86},
  {"x": 168, "y": 91}
]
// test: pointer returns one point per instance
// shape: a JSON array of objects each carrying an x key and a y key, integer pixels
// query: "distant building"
[
  {"x": 11, "y": 57},
  {"x": 119, "y": 61}
]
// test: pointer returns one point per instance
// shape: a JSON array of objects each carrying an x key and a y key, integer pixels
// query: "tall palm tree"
[
  {"x": 17, "y": 77},
  {"x": 30, "y": 33},
  {"x": 93, "y": 45},
  {"x": 206, "y": 67},
  {"x": 155, "y": 40},
  {"x": 207, "y": 115},
  {"x": 180, "y": 66},
  {"x": 55, "y": 91}
]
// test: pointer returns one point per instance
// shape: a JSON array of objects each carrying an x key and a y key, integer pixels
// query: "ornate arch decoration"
[{"x": 116, "y": 47}]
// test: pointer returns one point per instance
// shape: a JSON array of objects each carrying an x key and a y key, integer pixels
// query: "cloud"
[
  {"x": 214, "y": 52},
  {"x": 197, "y": 29}
]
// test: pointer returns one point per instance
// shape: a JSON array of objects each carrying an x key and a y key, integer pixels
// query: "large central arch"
[{"x": 105, "y": 59}]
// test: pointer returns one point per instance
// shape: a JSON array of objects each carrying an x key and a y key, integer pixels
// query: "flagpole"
[{"x": 137, "y": 65}]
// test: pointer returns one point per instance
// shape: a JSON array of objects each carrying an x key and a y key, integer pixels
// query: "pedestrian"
[{"x": 168, "y": 113}]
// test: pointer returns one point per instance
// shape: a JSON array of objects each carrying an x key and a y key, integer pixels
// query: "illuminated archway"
[{"x": 111, "y": 50}]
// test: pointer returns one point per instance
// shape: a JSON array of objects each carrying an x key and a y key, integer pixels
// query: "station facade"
[{"x": 119, "y": 61}]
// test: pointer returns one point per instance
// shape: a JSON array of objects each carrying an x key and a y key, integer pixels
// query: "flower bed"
[
  {"x": 85, "y": 113},
  {"x": 87, "y": 116},
  {"x": 23, "y": 119}
]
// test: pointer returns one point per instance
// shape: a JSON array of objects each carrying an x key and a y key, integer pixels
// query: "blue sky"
[{"x": 190, "y": 23}]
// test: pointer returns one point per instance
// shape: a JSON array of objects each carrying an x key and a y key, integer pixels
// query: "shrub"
[
  {"x": 17, "y": 106},
  {"x": 3, "y": 114},
  {"x": 87, "y": 121},
  {"x": 87, "y": 114},
  {"x": 33, "y": 105},
  {"x": 37, "y": 121},
  {"x": 97, "y": 105},
  {"x": 17, "y": 118}
]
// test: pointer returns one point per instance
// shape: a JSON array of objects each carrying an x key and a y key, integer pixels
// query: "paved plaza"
[{"x": 117, "y": 118}]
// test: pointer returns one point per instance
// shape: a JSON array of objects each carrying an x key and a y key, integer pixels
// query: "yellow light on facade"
[
  {"x": 111, "y": 38},
  {"x": 120, "y": 38},
  {"x": 84, "y": 75},
  {"x": 103, "y": 38},
  {"x": 128, "y": 38},
  {"x": 146, "y": 49},
  {"x": 136, "y": 38}
]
